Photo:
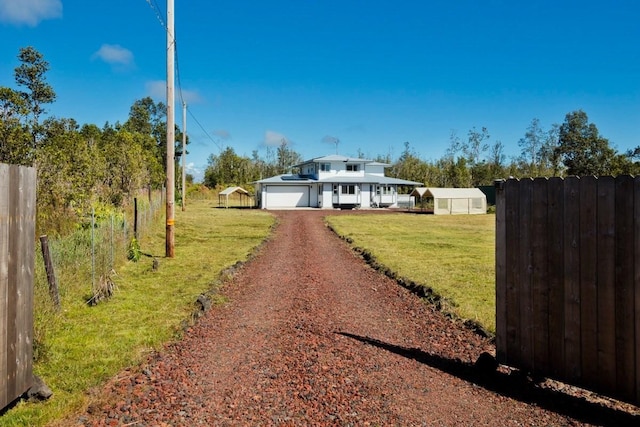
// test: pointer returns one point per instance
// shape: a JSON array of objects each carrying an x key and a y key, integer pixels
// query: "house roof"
[
  {"x": 286, "y": 179},
  {"x": 447, "y": 193},
  {"x": 293, "y": 179},
  {"x": 367, "y": 179},
  {"x": 335, "y": 158}
]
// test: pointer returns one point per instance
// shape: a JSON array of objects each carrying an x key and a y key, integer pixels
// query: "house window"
[
  {"x": 353, "y": 167},
  {"x": 385, "y": 189},
  {"x": 325, "y": 167},
  {"x": 348, "y": 189}
]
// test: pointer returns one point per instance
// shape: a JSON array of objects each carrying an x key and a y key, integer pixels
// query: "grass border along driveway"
[
  {"x": 454, "y": 255},
  {"x": 85, "y": 346}
]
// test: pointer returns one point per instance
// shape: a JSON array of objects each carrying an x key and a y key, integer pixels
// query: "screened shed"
[{"x": 451, "y": 201}]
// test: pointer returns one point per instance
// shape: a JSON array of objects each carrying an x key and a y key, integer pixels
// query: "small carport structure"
[
  {"x": 450, "y": 201},
  {"x": 223, "y": 196}
]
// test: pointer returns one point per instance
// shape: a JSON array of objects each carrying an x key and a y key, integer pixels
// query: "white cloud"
[
  {"x": 157, "y": 89},
  {"x": 196, "y": 171},
  {"x": 274, "y": 139},
  {"x": 189, "y": 96},
  {"x": 29, "y": 12},
  {"x": 115, "y": 55},
  {"x": 223, "y": 134}
]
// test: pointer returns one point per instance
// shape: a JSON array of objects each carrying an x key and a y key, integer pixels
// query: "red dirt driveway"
[{"x": 312, "y": 336}]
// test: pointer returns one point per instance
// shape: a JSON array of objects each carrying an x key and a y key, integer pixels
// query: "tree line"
[
  {"x": 574, "y": 147},
  {"x": 81, "y": 167}
]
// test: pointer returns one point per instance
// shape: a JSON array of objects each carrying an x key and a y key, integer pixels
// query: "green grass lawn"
[
  {"x": 454, "y": 255},
  {"x": 84, "y": 346}
]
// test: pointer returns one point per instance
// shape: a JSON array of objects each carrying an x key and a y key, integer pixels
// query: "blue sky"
[{"x": 371, "y": 73}]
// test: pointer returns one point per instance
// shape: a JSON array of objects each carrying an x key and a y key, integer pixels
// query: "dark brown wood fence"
[
  {"x": 568, "y": 280},
  {"x": 17, "y": 251}
]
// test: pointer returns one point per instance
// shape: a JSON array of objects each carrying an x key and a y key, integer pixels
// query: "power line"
[
  {"x": 203, "y": 129},
  {"x": 154, "y": 6}
]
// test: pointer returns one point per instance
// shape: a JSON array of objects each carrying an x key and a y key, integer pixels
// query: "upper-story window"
[
  {"x": 353, "y": 167},
  {"x": 325, "y": 167}
]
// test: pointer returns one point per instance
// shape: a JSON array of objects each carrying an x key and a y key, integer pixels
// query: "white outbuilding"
[{"x": 451, "y": 201}]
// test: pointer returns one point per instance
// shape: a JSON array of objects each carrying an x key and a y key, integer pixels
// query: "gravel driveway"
[{"x": 312, "y": 336}]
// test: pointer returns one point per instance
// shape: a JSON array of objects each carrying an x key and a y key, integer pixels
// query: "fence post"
[
  {"x": 135, "y": 218},
  {"x": 51, "y": 276},
  {"x": 112, "y": 260},
  {"x": 501, "y": 281},
  {"x": 93, "y": 249}
]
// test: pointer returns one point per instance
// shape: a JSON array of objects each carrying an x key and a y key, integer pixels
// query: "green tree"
[
  {"x": 531, "y": 149},
  {"x": 228, "y": 168},
  {"x": 409, "y": 166},
  {"x": 70, "y": 169},
  {"x": 539, "y": 155},
  {"x": 287, "y": 158},
  {"x": 31, "y": 75},
  {"x": 15, "y": 135},
  {"x": 581, "y": 148},
  {"x": 125, "y": 163},
  {"x": 148, "y": 118}
]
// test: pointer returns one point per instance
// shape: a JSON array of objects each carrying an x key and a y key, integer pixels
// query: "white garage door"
[{"x": 290, "y": 196}]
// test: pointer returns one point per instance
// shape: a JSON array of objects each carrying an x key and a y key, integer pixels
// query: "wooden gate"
[
  {"x": 568, "y": 280},
  {"x": 17, "y": 251}
]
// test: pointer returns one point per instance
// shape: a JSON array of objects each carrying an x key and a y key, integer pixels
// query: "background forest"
[{"x": 85, "y": 167}]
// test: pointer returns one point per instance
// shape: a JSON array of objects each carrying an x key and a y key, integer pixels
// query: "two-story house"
[{"x": 331, "y": 182}]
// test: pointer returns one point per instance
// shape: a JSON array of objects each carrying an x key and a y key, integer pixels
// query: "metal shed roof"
[
  {"x": 447, "y": 193},
  {"x": 232, "y": 190}
]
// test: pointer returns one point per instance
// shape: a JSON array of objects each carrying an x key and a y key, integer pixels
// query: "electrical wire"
[
  {"x": 203, "y": 130},
  {"x": 154, "y": 6}
]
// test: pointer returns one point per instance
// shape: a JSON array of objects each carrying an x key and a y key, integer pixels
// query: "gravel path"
[{"x": 312, "y": 336}]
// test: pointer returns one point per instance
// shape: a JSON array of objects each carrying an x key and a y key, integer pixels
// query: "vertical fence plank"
[
  {"x": 624, "y": 299},
  {"x": 555, "y": 235},
  {"x": 512, "y": 273},
  {"x": 571, "y": 278},
  {"x": 17, "y": 243},
  {"x": 12, "y": 289},
  {"x": 606, "y": 285},
  {"x": 540, "y": 278},
  {"x": 4, "y": 280},
  {"x": 24, "y": 321},
  {"x": 588, "y": 283},
  {"x": 525, "y": 268},
  {"x": 501, "y": 279}
]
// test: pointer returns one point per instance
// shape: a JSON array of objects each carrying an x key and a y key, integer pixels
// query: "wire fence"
[{"x": 89, "y": 256}]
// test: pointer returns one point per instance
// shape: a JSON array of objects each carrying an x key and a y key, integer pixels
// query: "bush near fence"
[{"x": 87, "y": 258}]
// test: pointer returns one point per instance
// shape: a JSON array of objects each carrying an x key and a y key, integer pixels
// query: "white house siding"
[
  {"x": 341, "y": 198},
  {"x": 327, "y": 192}
]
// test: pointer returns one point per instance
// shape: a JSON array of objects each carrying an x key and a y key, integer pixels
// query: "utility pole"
[
  {"x": 171, "y": 133},
  {"x": 184, "y": 154}
]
